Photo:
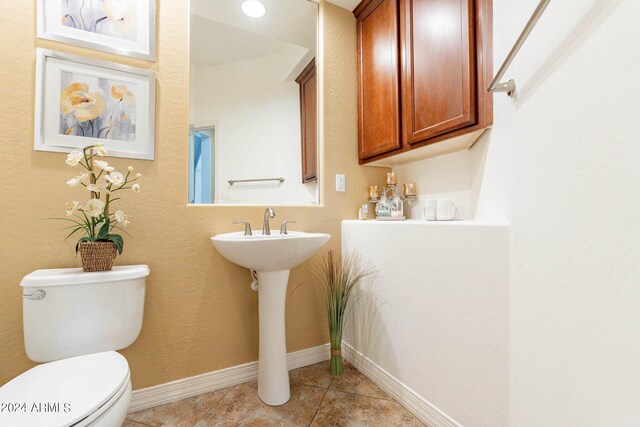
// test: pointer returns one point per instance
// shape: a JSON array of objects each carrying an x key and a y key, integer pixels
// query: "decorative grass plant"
[{"x": 337, "y": 277}]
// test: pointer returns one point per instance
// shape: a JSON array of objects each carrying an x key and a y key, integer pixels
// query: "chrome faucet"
[
  {"x": 283, "y": 227},
  {"x": 247, "y": 227},
  {"x": 266, "y": 229}
]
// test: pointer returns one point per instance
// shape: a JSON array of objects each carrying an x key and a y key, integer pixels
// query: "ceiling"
[
  {"x": 221, "y": 33},
  {"x": 346, "y": 4},
  {"x": 215, "y": 43}
]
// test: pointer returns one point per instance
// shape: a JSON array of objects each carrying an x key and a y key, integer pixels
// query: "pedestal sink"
[{"x": 272, "y": 257}]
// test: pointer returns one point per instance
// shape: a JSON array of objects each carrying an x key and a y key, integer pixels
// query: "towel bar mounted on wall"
[
  {"x": 510, "y": 86},
  {"x": 233, "y": 181}
]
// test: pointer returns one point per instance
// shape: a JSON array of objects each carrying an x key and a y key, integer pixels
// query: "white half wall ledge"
[
  {"x": 424, "y": 410},
  {"x": 193, "y": 386},
  {"x": 432, "y": 327},
  {"x": 423, "y": 222}
]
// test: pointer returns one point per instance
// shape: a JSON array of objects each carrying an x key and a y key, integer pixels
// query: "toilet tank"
[{"x": 67, "y": 312}]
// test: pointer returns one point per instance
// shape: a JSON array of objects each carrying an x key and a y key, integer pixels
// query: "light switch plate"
[{"x": 340, "y": 182}]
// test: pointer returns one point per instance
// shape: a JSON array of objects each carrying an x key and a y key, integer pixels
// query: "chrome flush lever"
[
  {"x": 247, "y": 227},
  {"x": 283, "y": 227},
  {"x": 39, "y": 294}
]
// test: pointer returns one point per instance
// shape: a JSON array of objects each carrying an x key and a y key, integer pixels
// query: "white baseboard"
[
  {"x": 420, "y": 407},
  {"x": 193, "y": 386}
]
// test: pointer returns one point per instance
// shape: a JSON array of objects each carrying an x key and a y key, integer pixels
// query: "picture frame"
[
  {"x": 124, "y": 27},
  {"x": 81, "y": 101}
]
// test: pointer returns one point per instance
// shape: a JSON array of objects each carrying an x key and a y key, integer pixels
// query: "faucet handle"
[
  {"x": 283, "y": 227},
  {"x": 247, "y": 227}
]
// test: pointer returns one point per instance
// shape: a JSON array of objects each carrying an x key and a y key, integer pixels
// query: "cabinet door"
[
  {"x": 438, "y": 67},
  {"x": 308, "y": 121},
  {"x": 378, "y": 78}
]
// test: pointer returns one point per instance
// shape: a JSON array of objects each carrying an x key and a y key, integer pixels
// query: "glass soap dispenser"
[
  {"x": 396, "y": 205},
  {"x": 383, "y": 210}
]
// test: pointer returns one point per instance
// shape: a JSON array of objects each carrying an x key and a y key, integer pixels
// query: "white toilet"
[{"x": 75, "y": 321}]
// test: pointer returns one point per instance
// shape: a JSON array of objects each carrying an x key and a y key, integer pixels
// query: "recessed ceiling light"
[{"x": 253, "y": 8}]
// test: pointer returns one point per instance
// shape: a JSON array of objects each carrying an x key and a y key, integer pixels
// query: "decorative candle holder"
[
  {"x": 409, "y": 190},
  {"x": 374, "y": 193},
  {"x": 392, "y": 178}
]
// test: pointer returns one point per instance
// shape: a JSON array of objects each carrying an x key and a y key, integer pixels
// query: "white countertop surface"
[{"x": 422, "y": 222}]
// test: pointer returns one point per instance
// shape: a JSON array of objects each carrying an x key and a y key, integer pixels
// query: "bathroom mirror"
[{"x": 252, "y": 102}]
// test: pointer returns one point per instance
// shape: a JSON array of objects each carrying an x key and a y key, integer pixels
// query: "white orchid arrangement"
[{"x": 96, "y": 218}]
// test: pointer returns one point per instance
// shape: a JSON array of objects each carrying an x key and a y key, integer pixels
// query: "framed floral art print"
[
  {"x": 126, "y": 27},
  {"x": 80, "y": 101}
]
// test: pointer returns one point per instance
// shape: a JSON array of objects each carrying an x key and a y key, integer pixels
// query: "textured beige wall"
[{"x": 200, "y": 313}]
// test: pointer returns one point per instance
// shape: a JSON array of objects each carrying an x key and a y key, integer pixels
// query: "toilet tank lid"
[{"x": 75, "y": 276}]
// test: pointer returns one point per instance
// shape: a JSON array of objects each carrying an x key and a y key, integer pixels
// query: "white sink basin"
[
  {"x": 273, "y": 252},
  {"x": 271, "y": 256}
]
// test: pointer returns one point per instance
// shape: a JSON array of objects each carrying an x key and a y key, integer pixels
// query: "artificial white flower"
[
  {"x": 98, "y": 188},
  {"x": 73, "y": 158},
  {"x": 135, "y": 188},
  {"x": 130, "y": 168},
  {"x": 100, "y": 150},
  {"x": 76, "y": 180},
  {"x": 103, "y": 165},
  {"x": 71, "y": 207},
  {"x": 139, "y": 175},
  {"x": 122, "y": 218},
  {"x": 94, "y": 208},
  {"x": 116, "y": 178}
]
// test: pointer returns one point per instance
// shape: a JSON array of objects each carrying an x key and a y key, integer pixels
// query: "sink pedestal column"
[{"x": 273, "y": 375}]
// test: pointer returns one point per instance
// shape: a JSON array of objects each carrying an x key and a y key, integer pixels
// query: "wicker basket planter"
[{"x": 97, "y": 256}]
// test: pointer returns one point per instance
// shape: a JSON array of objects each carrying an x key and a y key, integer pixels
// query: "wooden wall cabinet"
[
  {"x": 378, "y": 78},
  {"x": 308, "y": 121},
  {"x": 423, "y": 70}
]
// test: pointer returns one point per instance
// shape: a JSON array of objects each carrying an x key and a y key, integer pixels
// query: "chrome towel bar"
[
  {"x": 233, "y": 181},
  {"x": 510, "y": 86}
]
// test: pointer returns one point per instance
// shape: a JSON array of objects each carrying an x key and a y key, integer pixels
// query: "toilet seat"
[{"x": 68, "y": 392}]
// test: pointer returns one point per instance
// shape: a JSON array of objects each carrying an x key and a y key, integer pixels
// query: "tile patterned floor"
[{"x": 317, "y": 399}]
